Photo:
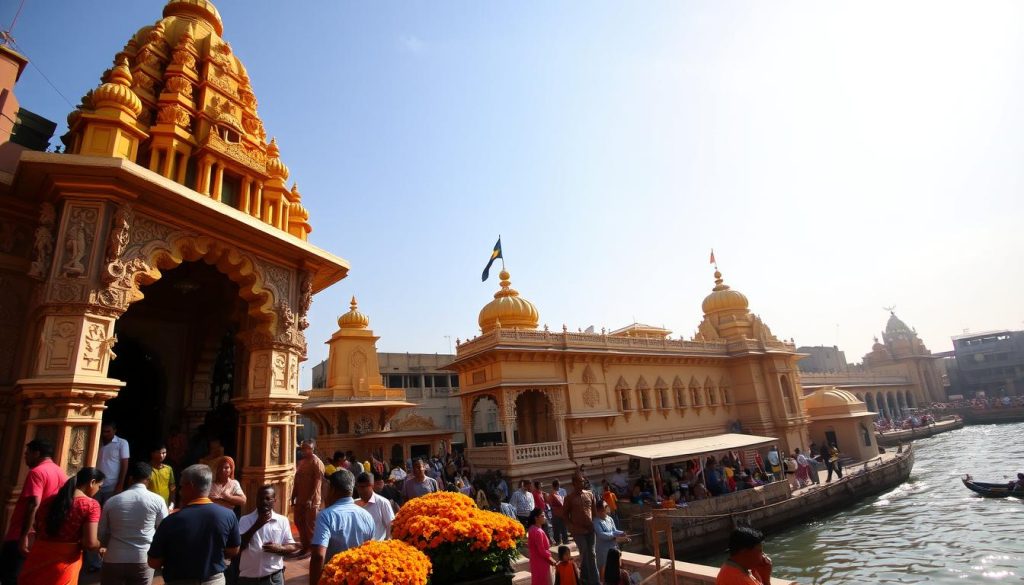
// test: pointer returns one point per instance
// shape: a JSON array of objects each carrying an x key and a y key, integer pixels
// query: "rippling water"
[{"x": 931, "y": 529}]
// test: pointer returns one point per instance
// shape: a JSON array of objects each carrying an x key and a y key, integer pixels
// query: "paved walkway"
[{"x": 295, "y": 572}]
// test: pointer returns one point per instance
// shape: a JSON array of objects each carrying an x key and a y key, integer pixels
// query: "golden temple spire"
[
  {"x": 508, "y": 309},
  {"x": 353, "y": 319}
]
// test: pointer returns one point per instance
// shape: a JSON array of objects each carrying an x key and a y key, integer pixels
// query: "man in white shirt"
[
  {"x": 126, "y": 530},
  {"x": 112, "y": 461},
  {"x": 523, "y": 502},
  {"x": 377, "y": 505},
  {"x": 266, "y": 538}
]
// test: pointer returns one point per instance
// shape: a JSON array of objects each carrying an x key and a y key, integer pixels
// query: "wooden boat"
[{"x": 990, "y": 490}]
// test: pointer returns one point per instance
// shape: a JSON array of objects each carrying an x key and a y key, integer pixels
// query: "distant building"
[
  {"x": 821, "y": 358},
  {"x": 899, "y": 373},
  {"x": 988, "y": 364},
  {"x": 431, "y": 389}
]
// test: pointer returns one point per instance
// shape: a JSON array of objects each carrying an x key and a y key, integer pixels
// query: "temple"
[
  {"x": 898, "y": 374},
  {"x": 538, "y": 402},
  {"x": 160, "y": 274},
  {"x": 355, "y": 412}
]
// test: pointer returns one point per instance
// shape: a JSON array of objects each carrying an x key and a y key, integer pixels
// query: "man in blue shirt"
[
  {"x": 340, "y": 526},
  {"x": 191, "y": 545}
]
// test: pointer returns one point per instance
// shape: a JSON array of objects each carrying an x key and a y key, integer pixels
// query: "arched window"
[
  {"x": 679, "y": 389},
  {"x": 787, "y": 394}
]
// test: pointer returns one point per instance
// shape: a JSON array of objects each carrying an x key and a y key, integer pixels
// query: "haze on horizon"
[{"x": 839, "y": 158}]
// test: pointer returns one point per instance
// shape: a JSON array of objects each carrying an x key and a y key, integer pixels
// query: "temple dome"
[
  {"x": 117, "y": 91},
  {"x": 202, "y": 9},
  {"x": 723, "y": 298},
  {"x": 353, "y": 319},
  {"x": 508, "y": 309},
  {"x": 896, "y": 327},
  {"x": 833, "y": 401}
]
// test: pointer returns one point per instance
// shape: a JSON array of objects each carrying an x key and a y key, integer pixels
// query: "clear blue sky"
[{"x": 838, "y": 157}]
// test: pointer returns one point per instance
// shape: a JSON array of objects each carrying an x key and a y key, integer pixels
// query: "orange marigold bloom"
[{"x": 388, "y": 562}]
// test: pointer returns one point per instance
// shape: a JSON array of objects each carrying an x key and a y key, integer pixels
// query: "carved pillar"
[
  {"x": 257, "y": 207},
  {"x": 508, "y": 421},
  {"x": 246, "y": 194},
  {"x": 268, "y": 412},
  {"x": 218, "y": 181}
]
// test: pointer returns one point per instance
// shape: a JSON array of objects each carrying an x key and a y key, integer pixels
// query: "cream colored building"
[{"x": 552, "y": 400}]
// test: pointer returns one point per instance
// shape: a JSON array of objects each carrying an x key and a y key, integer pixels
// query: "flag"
[
  {"x": 713, "y": 257},
  {"x": 495, "y": 254}
]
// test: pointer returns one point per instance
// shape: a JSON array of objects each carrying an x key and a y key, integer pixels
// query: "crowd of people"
[
  {"x": 981, "y": 403},
  {"x": 128, "y": 518}
]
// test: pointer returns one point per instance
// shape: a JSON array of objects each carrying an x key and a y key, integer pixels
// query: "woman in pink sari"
[
  {"x": 539, "y": 549},
  {"x": 67, "y": 524}
]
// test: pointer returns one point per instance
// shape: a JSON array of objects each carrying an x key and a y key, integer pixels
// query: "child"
[
  {"x": 566, "y": 571},
  {"x": 162, "y": 480}
]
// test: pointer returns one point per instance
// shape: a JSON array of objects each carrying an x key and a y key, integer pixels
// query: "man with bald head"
[{"x": 579, "y": 517}]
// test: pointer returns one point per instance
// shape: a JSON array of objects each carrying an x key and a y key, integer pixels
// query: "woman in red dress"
[{"x": 67, "y": 524}]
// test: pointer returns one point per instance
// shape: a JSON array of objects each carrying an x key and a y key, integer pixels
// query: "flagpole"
[{"x": 502, "y": 255}]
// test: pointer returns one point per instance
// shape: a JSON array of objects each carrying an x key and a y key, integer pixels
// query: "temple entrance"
[{"x": 176, "y": 353}]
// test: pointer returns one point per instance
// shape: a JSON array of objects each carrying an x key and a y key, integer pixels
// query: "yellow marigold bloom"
[{"x": 389, "y": 562}]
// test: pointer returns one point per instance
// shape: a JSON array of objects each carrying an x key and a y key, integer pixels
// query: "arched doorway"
[
  {"x": 486, "y": 430},
  {"x": 535, "y": 419},
  {"x": 177, "y": 356}
]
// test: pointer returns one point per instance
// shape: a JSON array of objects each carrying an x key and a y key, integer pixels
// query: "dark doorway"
[
  {"x": 177, "y": 355},
  {"x": 138, "y": 406}
]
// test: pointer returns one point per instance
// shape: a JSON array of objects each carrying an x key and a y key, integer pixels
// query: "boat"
[{"x": 990, "y": 490}]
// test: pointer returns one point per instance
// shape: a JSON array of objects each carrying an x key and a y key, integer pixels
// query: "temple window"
[
  {"x": 228, "y": 134},
  {"x": 230, "y": 190},
  {"x": 663, "y": 398},
  {"x": 624, "y": 399}
]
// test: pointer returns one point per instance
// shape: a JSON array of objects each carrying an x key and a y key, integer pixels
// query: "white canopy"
[{"x": 662, "y": 453}]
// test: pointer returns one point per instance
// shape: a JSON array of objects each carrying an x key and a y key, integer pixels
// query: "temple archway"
[{"x": 178, "y": 357}]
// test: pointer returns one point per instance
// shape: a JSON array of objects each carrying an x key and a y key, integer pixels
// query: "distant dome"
[
  {"x": 508, "y": 309},
  {"x": 722, "y": 298},
  {"x": 353, "y": 319}
]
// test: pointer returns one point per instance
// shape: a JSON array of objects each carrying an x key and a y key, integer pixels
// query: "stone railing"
[
  {"x": 848, "y": 378},
  {"x": 537, "y": 451}
]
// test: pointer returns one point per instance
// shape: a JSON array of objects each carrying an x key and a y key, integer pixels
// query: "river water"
[{"x": 931, "y": 529}]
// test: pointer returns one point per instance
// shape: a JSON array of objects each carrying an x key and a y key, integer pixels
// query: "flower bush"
[
  {"x": 388, "y": 562},
  {"x": 462, "y": 541}
]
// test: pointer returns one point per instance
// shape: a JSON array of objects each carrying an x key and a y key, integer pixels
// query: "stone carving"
[
  {"x": 287, "y": 317},
  {"x": 293, "y": 373},
  {"x": 305, "y": 301},
  {"x": 761, "y": 331},
  {"x": 43, "y": 246},
  {"x": 120, "y": 232},
  {"x": 591, "y": 397},
  {"x": 75, "y": 246},
  {"x": 364, "y": 425},
  {"x": 280, "y": 365},
  {"x": 61, "y": 344},
  {"x": 174, "y": 114},
  {"x": 588, "y": 375},
  {"x": 76, "y": 451},
  {"x": 413, "y": 422},
  {"x": 180, "y": 85},
  {"x": 97, "y": 346},
  {"x": 142, "y": 82},
  {"x": 275, "y": 444}
]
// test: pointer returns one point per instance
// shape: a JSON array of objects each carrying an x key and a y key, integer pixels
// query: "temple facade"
[
  {"x": 539, "y": 403},
  {"x": 899, "y": 374},
  {"x": 163, "y": 275}
]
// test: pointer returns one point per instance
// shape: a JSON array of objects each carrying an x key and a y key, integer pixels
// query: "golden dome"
[
  {"x": 203, "y": 9},
  {"x": 831, "y": 400},
  {"x": 353, "y": 319},
  {"x": 722, "y": 298},
  {"x": 508, "y": 309},
  {"x": 275, "y": 168},
  {"x": 117, "y": 91}
]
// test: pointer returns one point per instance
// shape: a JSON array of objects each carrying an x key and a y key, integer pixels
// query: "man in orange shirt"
[{"x": 747, "y": 564}]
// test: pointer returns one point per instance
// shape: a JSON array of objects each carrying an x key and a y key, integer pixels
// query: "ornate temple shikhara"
[
  {"x": 166, "y": 236},
  {"x": 536, "y": 403}
]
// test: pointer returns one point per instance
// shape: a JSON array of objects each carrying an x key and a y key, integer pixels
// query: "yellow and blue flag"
[{"x": 495, "y": 254}]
